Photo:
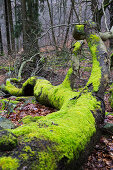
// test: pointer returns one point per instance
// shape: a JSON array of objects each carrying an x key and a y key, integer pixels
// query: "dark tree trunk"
[
  {"x": 1, "y": 44},
  {"x": 11, "y": 25},
  {"x": 51, "y": 21},
  {"x": 7, "y": 27},
  {"x": 24, "y": 23}
]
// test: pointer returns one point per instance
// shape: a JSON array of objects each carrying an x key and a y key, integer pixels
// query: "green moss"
[
  {"x": 48, "y": 159},
  {"x": 69, "y": 129},
  {"x": 96, "y": 71},
  {"x": 24, "y": 156},
  {"x": 28, "y": 150},
  {"x": 108, "y": 113},
  {"x": 31, "y": 81},
  {"x": 77, "y": 46},
  {"x": 79, "y": 28},
  {"x": 22, "y": 97},
  {"x": 10, "y": 101},
  {"x": 9, "y": 163},
  {"x": 95, "y": 77},
  {"x": 7, "y": 68},
  {"x": 7, "y": 141},
  {"x": 87, "y": 69},
  {"x": 12, "y": 89},
  {"x": 94, "y": 38},
  {"x": 15, "y": 80},
  {"x": 66, "y": 82},
  {"x": 5, "y": 103},
  {"x": 28, "y": 119}
]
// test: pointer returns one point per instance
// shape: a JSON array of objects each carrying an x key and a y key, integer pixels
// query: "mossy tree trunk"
[{"x": 63, "y": 139}]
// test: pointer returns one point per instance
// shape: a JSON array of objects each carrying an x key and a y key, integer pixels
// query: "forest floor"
[{"x": 101, "y": 157}]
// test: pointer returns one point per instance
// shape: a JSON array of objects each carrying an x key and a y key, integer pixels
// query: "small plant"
[{"x": 7, "y": 107}]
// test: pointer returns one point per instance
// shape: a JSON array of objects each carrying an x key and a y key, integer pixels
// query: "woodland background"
[
  {"x": 36, "y": 39},
  {"x": 29, "y": 27}
]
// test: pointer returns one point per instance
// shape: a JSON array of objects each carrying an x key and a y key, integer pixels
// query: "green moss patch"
[
  {"x": 96, "y": 69},
  {"x": 7, "y": 140},
  {"x": 9, "y": 163}
]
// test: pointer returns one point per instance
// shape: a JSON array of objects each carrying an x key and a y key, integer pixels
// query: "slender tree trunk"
[
  {"x": 7, "y": 27},
  {"x": 94, "y": 7},
  {"x": 111, "y": 22},
  {"x": 11, "y": 25},
  {"x": 51, "y": 21},
  {"x": 17, "y": 41},
  {"x": 24, "y": 19},
  {"x": 1, "y": 44},
  {"x": 67, "y": 31},
  {"x": 73, "y": 4}
]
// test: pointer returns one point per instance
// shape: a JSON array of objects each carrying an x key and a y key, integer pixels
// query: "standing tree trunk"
[
  {"x": 51, "y": 21},
  {"x": 24, "y": 23},
  {"x": 67, "y": 31},
  {"x": 111, "y": 22},
  {"x": 11, "y": 25},
  {"x": 1, "y": 44},
  {"x": 7, "y": 27}
]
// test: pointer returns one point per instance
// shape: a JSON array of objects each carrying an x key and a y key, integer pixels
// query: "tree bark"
[
  {"x": 7, "y": 27},
  {"x": 24, "y": 23},
  {"x": 11, "y": 25},
  {"x": 67, "y": 31},
  {"x": 63, "y": 139},
  {"x": 111, "y": 22},
  {"x": 1, "y": 45}
]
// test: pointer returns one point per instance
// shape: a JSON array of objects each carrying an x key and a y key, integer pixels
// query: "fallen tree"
[{"x": 63, "y": 139}]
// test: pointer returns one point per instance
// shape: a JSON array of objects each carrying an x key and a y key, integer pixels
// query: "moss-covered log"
[{"x": 63, "y": 139}]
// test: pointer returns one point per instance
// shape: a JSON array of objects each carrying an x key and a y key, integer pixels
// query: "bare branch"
[
  {"x": 22, "y": 65},
  {"x": 104, "y": 16}
]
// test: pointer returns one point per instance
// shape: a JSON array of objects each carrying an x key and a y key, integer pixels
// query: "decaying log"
[{"x": 63, "y": 139}]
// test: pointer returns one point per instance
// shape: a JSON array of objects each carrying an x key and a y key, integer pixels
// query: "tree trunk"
[
  {"x": 24, "y": 23},
  {"x": 111, "y": 22},
  {"x": 51, "y": 21},
  {"x": 1, "y": 44},
  {"x": 11, "y": 25},
  {"x": 67, "y": 31},
  {"x": 63, "y": 139},
  {"x": 7, "y": 27}
]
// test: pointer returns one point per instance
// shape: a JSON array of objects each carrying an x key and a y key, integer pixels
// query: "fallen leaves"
[
  {"x": 23, "y": 109},
  {"x": 102, "y": 155}
]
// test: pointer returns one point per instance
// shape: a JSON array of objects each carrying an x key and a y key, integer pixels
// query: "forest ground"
[{"x": 102, "y": 154}]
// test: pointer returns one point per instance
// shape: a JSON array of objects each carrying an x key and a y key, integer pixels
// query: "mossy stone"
[
  {"x": 8, "y": 140},
  {"x": 5, "y": 123}
]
